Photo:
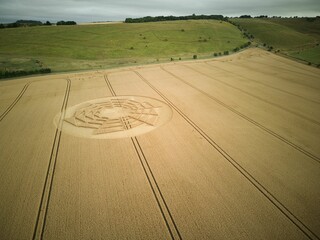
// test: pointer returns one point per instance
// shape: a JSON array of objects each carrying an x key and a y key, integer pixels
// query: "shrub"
[
  {"x": 195, "y": 56},
  {"x": 131, "y": 48},
  {"x": 215, "y": 54},
  {"x": 182, "y": 30},
  {"x": 226, "y": 53}
]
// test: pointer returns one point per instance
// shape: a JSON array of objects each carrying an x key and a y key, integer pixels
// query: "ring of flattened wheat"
[{"x": 115, "y": 117}]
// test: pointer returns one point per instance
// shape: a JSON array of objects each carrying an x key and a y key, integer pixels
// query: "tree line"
[
  {"x": 173, "y": 18},
  {"x": 19, "y": 73},
  {"x": 32, "y": 23}
]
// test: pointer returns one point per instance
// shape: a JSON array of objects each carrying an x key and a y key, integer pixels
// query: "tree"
[
  {"x": 66, "y": 23},
  {"x": 245, "y": 16}
]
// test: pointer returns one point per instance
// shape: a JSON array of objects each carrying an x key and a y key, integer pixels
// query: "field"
[
  {"x": 296, "y": 37},
  {"x": 100, "y": 46},
  {"x": 226, "y": 148}
]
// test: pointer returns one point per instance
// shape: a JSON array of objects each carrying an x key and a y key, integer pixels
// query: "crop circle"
[{"x": 114, "y": 117}]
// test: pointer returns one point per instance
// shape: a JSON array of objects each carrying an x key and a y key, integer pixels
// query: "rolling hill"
[
  {"x": 65, "y": 48},
  {"x": 296, "y": 37}
]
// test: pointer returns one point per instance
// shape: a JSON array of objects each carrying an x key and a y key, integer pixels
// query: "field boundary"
[{"x": 281, "y": 207}]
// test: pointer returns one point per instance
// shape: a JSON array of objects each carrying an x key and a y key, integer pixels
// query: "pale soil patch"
[{"x": 238, "y": 159}]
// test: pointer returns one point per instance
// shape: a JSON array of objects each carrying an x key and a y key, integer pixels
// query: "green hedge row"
[{"x": 18, "y": 73}]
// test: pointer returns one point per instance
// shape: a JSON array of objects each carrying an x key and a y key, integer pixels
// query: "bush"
[
  {"x": 131, "y": 48},
  {"x": 236, "y": 49},
  {"x": 226, "y": 53},
  {"x": 195, "y": 56},
  {"x": 215, "y": 54}
]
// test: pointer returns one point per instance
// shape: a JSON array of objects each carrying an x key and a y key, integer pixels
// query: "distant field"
[
  {"x": 64, "y": 48},
  {"x": 296, "y": 37}
]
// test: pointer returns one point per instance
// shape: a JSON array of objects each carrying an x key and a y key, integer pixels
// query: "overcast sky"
[{"x": 114, "y": 10}]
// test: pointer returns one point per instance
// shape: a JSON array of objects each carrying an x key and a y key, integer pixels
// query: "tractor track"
[{"x": 281, "y": 207}]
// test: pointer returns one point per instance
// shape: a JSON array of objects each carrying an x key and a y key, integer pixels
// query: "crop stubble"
[{"x": 240, "y": 156}]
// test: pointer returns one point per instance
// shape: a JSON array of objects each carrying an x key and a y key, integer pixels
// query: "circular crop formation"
[{"x": 114, "y": 117}]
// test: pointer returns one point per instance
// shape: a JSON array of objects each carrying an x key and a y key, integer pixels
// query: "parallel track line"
[
  {"x": 162, "y": 205},
  {"x": 283, "y": 209},
  {"x": 283, "y": 139},
  {"x": 47, "y": 188}
]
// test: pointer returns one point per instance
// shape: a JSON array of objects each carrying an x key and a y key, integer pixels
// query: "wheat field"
[{"x": 224, "y": 148}]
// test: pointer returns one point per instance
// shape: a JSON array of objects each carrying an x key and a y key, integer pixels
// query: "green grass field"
[
  {"x": 64, "y": 48},
  {"x": 295, "y": 37}
]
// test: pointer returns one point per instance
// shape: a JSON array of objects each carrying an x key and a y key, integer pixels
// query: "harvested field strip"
[
  {"x": 259, "y": 98},
  {"x": 169, "y": 221},
  {"x": 236, "y": 165},
  {"x": 249, "y": 119},
  {"x": 45, "y": 198}
]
